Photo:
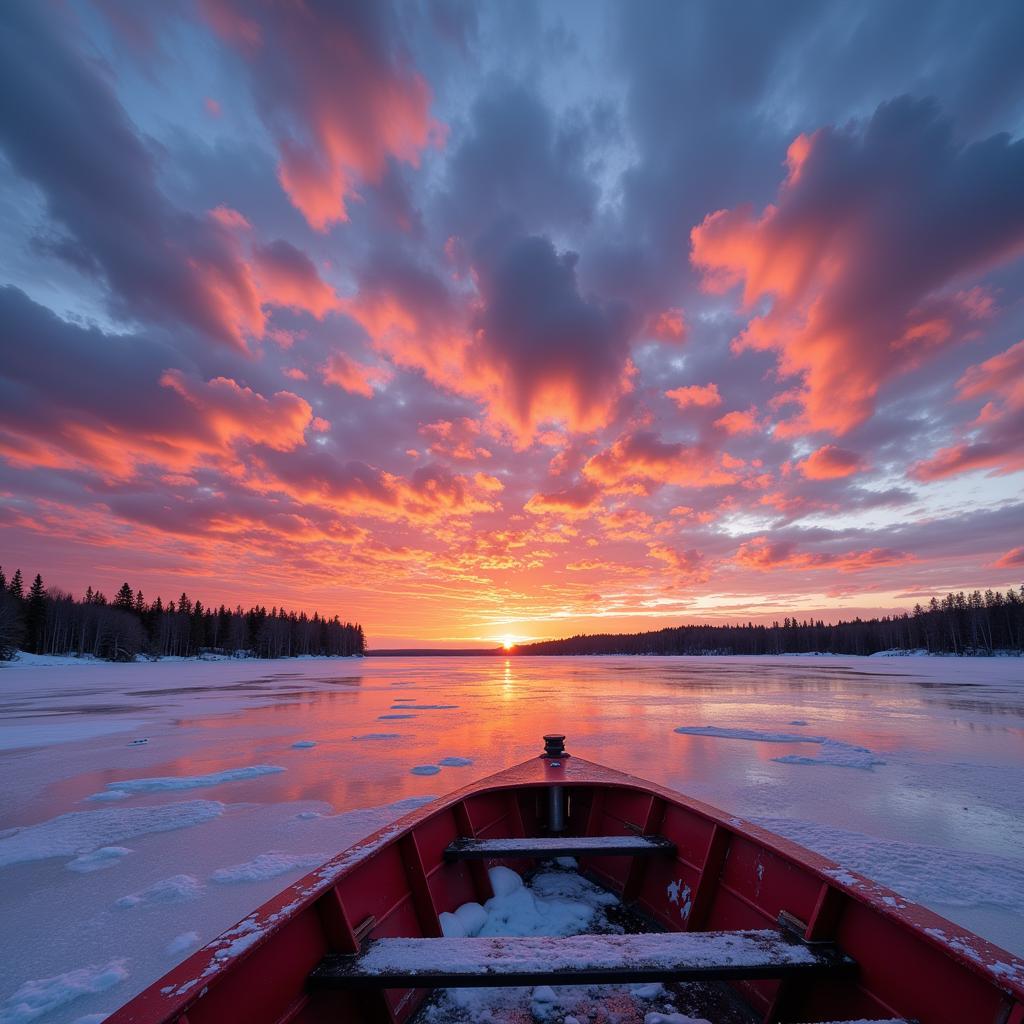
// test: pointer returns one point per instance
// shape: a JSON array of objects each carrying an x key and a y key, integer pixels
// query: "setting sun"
[{"x": 508, "y": 643}]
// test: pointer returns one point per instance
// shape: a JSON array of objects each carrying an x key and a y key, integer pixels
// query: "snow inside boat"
[{"x": 714, "y": 915}]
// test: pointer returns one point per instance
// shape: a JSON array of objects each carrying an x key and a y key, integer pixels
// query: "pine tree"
[
  {"x": 3, "y": 579},
  {"x": 17, "y": 587},
  {"x": 35, "y": 615},
  {"x": 140, "y": 602},
  {"x": 125, "y": 598}
]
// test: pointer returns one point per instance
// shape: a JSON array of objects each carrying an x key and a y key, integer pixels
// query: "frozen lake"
[{"x": 119, "y": 855}]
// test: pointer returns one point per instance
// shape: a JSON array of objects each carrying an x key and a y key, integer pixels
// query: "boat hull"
[{"x": 725, "y": 874}]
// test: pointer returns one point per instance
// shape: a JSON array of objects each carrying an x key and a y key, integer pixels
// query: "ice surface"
[
  {"x": 378, "y": 736},
  {"x": 455, "y": 762},
  {"x": 176, "y": 889},
  {"x": 385, "y": 718},
  {"x": 946, "y": 878},
  {"x": 949, "y": 730},
  {"x": 126, "y": 787},
  {"x": 104, "y": 857},
  {"x": 48, "y": 734},
  {"x": 35, "y": 999},
  {"x": 833, "y": 752},
  {"x": 303, "y": 744},
  {"x": 425, "y": 769},
  {"x": 425, "y": 707},
  {"x": 269, "y": 865},
  {"x": 85, "y": 831},
  {"x": 182, "y": 943},
  {"x": 672, "y": 1018}
]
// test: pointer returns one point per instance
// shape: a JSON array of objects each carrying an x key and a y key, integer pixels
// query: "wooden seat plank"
[
  {"x": 574, "y": 959},
  {"x": 560, "y": 846}
]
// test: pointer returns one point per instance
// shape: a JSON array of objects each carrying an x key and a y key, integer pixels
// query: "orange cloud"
[
  {"x": 572, "y": 502},
  {"x": 643, "y": 457},
  {"x": 830, "y": 463},
  {"x": 737, "y": 422},
  {"x": 699, "y": 395},
  {"x": 998, "y": 433},
  {"x": 871, "y": 228},
  {"x": 287, "y": 277},
  {"x": 763, "y": 554},
  {"x": 352, "y": 376},
  {"x": 1013, "y": 559},
  {"x": 455, "y": 438},
  {"x": 668, "y": 325},
  {"x": 234, "y": 413},
  {"x": 690, "y": 563},
  {"x": 307, "y": 83}
]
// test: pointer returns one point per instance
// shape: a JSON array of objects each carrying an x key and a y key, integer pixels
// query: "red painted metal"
[{"x": 726, "y": 874}]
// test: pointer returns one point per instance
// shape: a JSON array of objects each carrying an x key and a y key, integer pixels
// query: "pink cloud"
[
  {"x": 287, "y": 277},
  {"x": 740, "y": 422},
  {"x": 699, "y": 395},
  {"x": 357, "y": 378},
  {"x": 1013, "y": 559},
  {"x": 997, "y": 442},
  {"x": 234, "y": 413},
  {"x": 669, "y": 325},
  {"x": 642, "y": 458},
  {"x": 337, "y": 92},
  {"x": 830, "y": 463},
  {"x": 763, "y": 554},
  {"x": 455, "y": 438},
  {"x": 872, "y": 230}
]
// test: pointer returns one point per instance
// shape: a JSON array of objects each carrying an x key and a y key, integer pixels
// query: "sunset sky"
[{"x": 473, "y": 321}]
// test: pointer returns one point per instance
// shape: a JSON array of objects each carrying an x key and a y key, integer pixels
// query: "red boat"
[{"x": 786, "y": 935}]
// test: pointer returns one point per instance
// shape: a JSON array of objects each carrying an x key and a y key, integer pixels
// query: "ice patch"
[
  {"x": 378, "y": 736},
  {"x": 386, "y": 718},
  {"x": 268, "y": 865},
  {"x": 49, "y": 733},
  {"x": 104, "y": 857},
  {"x": 833, "y": 752},
  {"x": 673, "y": 1018},
  {"x": 182, "y": 943},
  {"x": 36, "y": 998},
  {"x": 924, "y": 874},
  {"x": 797, "y": 721},
  {"x": 126, "y": 787},
  {"x": 303, "y": 744},
  {"x": 425, "y": 769},
  {"x": 176, "y": 889},
  {"x": 455, "y": 762},
  {"x": 80, "y": 832},
  {"x": 424, "y": 707}
]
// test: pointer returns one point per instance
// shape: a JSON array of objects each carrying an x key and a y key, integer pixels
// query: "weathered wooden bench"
[
  {"x": 568, "y": 846},
  {"x": 575, "y": 960}
]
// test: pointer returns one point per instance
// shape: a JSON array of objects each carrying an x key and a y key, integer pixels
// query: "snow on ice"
[
  {"x": 833, "y": 752},
  {"x": 36, "y": 999},
  {"x": 79, "y": 832},
  {"x": 104, "y": 857},
  {"x": 268, "y": 865},
  {"x": 127, "y": 787},
  {"x": 176, "y": 889}
]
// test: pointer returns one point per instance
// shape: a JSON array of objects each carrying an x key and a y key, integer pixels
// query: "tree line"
[
  {"x": 977, "y": 623},
  {"x": 43, "y": 620}
]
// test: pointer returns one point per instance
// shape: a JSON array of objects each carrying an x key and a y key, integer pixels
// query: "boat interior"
[{"x": 710, "y": 918}]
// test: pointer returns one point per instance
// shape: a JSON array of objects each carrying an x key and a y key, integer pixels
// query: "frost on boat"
[{"x": 673, "y": 912}]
